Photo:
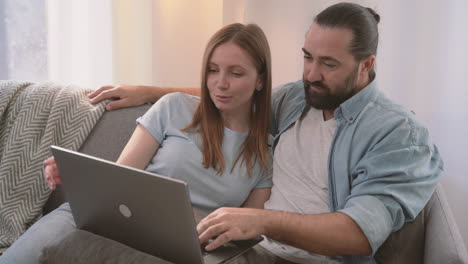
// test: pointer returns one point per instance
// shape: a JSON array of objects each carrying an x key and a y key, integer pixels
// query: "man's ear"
[{"x": 366, "y": 65}]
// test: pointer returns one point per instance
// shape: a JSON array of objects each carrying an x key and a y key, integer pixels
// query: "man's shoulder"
[
  {"x": 290, "y": 88},
  {"x": 389, "y": 108},
  {"x": 288, "y": 95},
  {"x": 288, "y": 101},
  {"x": 385, "y": 115}
]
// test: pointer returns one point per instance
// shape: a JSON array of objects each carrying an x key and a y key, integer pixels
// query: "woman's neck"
[{"x": 238, "y": 121}]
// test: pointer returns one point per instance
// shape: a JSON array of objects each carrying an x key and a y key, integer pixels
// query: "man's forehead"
[{"x": 328, "y": 41}]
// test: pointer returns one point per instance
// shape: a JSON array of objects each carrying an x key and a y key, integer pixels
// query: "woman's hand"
[{"x": 51, "y": 173}]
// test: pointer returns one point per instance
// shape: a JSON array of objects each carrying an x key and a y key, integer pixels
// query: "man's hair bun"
[{"x": 374, "y": 14}]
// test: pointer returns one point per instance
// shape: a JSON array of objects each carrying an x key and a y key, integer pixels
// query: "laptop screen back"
[{"x": 148, "y": 212}]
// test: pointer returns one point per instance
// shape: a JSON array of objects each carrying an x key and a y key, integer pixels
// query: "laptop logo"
[{"x": 125, "y": 211}]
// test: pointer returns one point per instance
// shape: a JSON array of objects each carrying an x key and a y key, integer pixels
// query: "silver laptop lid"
[{"x": 148, "y": 212}]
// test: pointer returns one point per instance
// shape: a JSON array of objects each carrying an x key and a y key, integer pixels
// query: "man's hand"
[
  {"x": 232, "y": 224},
  {"x": 128, "y": 95},
  {"x": 327, "y": 234},
  {"x": 134, "y": 95}
]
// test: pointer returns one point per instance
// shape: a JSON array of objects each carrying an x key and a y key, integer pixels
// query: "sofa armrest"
[{"x": 443, "y": 243}]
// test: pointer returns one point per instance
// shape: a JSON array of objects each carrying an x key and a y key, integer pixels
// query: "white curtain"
[
  {"x": 23, "y": 41},
  {"x": 130, "y": 42},
  {"x": 80, "y": 41}
]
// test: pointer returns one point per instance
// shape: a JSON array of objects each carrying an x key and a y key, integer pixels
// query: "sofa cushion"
[{"x": 87, "y": 248}]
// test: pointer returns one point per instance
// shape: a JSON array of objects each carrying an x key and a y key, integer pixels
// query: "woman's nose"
[{"x": 223, "y": 82}]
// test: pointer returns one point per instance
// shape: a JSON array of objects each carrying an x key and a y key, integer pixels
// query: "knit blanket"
[{"x": 34, "y": 117}]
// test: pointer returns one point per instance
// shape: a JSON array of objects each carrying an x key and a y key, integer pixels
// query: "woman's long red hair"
[{"x": 207, "y": 119}]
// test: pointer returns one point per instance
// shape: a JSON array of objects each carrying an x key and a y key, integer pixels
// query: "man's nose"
[{"x": 312, "y": 72}]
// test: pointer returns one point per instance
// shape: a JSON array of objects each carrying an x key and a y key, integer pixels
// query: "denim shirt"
[{"x": 382, "y": 166}]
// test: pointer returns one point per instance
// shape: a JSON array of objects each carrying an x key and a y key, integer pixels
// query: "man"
[{"x": 350, "y": 166}]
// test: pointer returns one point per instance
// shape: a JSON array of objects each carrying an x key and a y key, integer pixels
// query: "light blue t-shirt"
[{"x": 180, "y": 157}]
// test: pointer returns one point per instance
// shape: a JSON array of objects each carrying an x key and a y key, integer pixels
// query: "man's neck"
[{"x": 328, "y": 114}]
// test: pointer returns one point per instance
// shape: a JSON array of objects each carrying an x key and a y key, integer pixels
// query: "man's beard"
[{"x": 325, "y": 100}]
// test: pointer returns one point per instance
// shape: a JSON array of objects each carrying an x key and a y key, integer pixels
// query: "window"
[{"x": 23, "y": 40}]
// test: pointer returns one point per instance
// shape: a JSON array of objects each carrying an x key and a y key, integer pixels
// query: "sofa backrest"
[
  {"x": 432, "y": 238},
  {"x": 107, "y": 140}
]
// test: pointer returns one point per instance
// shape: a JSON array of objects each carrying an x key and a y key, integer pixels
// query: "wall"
[
  {"x": 285, "y": 26},
  {"x": 161, "y": 42},
  {"x": 132, "y": 42},
  {"x": 181, "y": 30}
]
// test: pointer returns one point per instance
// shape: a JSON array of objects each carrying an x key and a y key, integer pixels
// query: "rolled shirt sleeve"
[{"x": 391, "y": 187}]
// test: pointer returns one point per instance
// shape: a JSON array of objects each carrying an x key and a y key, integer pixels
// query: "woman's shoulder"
[
  {"x": 179, "y": 101},
  {"x": 172, "y": 97},
  {"x": 172, "y": 110}
]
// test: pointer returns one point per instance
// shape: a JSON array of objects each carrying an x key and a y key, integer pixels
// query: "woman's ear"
[{"x": 259, "y": 85}]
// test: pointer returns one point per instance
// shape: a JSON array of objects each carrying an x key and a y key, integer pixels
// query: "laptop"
[{"x": 143, "y": 210}]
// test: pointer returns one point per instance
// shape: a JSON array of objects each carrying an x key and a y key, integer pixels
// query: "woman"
[{"x": 217, "y": 144}]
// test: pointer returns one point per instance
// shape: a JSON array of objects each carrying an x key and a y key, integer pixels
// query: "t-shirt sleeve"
[
  {"x": 156, "y": 119},
  {"x": 265, "y": 180}
]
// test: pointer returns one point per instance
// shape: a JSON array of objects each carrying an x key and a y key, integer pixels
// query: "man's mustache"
[{"x": 315, "y": 84}]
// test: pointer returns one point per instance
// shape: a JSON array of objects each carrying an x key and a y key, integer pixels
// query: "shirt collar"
[{"x": 351, "y": 108}]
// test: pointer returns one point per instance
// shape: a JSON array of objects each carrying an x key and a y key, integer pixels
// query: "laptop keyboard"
[{"x": 202, "y": 248}]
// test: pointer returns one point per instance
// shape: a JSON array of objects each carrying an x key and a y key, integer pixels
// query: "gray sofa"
[{"x": 432, "y": 238}]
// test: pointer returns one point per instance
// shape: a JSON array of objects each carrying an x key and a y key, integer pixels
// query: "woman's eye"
[
  {"x": 237, "y": 74},
  {"x": 212, "y": 70}
]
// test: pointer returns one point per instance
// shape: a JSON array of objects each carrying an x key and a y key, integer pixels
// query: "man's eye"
[
  {"x": 307, "y": 57},
  {"x": 237, "y": 74},
  {"x": 331, "y": 66}
]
